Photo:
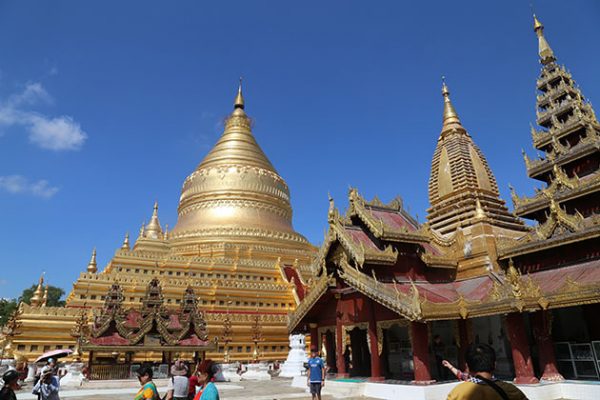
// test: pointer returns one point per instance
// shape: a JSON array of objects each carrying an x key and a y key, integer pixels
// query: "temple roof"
[
  {"x": 235, "y": 190},
  {"x": 474, "y": 297}
]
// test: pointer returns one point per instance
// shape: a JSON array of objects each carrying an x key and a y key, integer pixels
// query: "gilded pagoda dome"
[{"x": 235, "y": 192}]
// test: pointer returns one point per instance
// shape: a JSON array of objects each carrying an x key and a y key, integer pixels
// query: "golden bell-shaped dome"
[{"x": 235, "y": 192}]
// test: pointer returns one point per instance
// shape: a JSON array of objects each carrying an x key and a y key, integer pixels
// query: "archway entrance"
[
  {"x": 360, "y": 361},
  {"x": 397, "y": 353}
]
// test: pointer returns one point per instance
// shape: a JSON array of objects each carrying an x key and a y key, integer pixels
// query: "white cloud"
[
  {"x": 61, "y": 133},
  {"x": 52, "y": 133},
  {"x": 17, "y": 184}
]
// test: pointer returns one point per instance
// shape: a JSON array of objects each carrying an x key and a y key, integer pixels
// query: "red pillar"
[
  {"x": 339, "y": 339},
  {"x": 542, "y": 325},
  {"x": 420, "y": 348},
  {"x": 314, "y": 337},
  {"x": 515, "y": 327},
  {"x": 463, "y": 337},
  {"x": 375, "y": 359}
]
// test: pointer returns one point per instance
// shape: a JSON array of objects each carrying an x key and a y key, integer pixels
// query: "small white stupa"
[{"x": 294, "y": 364}]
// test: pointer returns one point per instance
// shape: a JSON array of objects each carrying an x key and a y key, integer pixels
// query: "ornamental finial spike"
[
  {"x": 125, "y": 245},
  {"x": 544, "y": 50},
  {"x": 450, "y": 119},
  {"x": 37, "y": 298},
  {"x": 92, "y": 266},
  {"x": 239, "y": 99}
]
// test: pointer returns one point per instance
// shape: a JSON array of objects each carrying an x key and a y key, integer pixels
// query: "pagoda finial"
[
  {"x": 125, "y": 245},
  {"x": 544, "y": 50},
  {"x": 239, "y": 99},
  {"x": 45, "y": 297},
  {"x": 36, "y": 299},
  {"x": 450, "y": 119},
  {"x": 92, "y": 266},
  {"x": 153, "y": 229}
]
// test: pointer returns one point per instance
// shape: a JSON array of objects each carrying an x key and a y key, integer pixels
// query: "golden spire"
[
  {"x": 125, "y": 245},
  {"x": 545, "y": 52},
  {"x": 239, "y": 99},
  {"x": 450, "y": 119},
  {"x": 153, "y": 229},
  {"x": 36, "y": 299},
  {"x": 45, "y": 298},
  {"x": 92, "y": 266}
]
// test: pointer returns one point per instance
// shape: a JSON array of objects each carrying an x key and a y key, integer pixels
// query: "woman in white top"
[{"x": 177, "y": 388}]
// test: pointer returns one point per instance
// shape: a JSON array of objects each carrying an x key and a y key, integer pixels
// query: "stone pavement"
[{"x": 276, "y": 389}]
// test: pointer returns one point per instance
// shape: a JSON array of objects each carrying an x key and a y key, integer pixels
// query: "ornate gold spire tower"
[
  {"x": 235, "y": 193},
  {"x": 462, "y": 187}
]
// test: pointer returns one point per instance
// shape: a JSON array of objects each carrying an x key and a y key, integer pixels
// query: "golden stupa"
[{"x": 232, "y": 241}]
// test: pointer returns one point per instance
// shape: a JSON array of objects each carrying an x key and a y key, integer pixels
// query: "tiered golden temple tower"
[
  {"x": 464, "y": 198},
  {"x": 232, "y": 239}
]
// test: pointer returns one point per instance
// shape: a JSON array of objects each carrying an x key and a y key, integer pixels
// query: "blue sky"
[{"x": 108, "y": 106}]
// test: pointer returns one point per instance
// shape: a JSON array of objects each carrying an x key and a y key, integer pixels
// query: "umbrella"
[{"x": 54, "y": 354}]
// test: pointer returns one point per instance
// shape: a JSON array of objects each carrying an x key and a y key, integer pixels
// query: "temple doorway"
[
  {"x": 328, "y": 350},
  {"x": 358, "y": 351},
  {"x": 396, "y": 352}
]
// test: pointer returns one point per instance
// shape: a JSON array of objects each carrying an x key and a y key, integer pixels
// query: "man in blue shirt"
[{"x": 316, "y": 374}]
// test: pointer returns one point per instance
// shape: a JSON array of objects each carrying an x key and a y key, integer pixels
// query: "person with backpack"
[
  {"x": 148, "y": 389},
  {"x": 482, "y": 385},
  {"x": 177, "y": 388},
  {"x": 11, "y": 383}
]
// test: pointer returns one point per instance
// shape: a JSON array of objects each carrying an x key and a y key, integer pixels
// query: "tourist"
[
  {"x": 11, "y": 383},
  {"x": 148, "y": 390},
  {"x": 460, "y": 375},
  {"x": 47, "y": 387},
  {"x": 316, "y": 374},
  {"x": 206, "y": 378},
  {"x": 481, "y": 361},
  {"x": 177, "y": 388}
]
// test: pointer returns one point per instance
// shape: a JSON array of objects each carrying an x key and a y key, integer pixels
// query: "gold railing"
[{"x": 105, "y": 372}]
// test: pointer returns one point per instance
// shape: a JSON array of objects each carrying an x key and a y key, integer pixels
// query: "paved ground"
[{"x": 276, "y": 389}]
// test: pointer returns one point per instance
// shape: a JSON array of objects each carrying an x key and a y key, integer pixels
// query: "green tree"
[
  {"x": 7, "y": 307},
  {"x": 54, "y": 296}
]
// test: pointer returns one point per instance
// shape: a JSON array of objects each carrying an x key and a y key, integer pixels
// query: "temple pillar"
[
  {"x": 375, "y": 359},
  {"x": 420, "y": 348},
  {"x": 339, "y": 338},
  {"x": 314, "y": 337},
  {"x": 463, "y": 342},
  {"x": 542, "y": 328},
  {"x": 515, "y": 327}
]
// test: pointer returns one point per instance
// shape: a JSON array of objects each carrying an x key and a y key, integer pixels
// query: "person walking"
[
  {"x": 481, "y": 361},
  {"x": 177, "y": 389},
  {"x": 206, "y": 378},
  {"x": 48, "y": 386},
  {"x": 148, "y": 390},
  {"x": 11, "y": 383},
  {"x": 316, "y": 374}
]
